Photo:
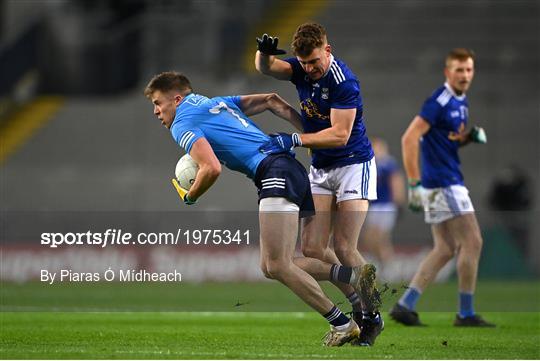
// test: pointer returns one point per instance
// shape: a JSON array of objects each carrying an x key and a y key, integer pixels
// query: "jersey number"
[{"x": 217, "y": 109}]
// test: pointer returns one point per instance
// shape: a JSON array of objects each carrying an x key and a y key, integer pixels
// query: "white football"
[{"x": 186, "y": 171}]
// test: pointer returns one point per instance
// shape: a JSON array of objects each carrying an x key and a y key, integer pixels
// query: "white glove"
[
  {"x": 416, "y": 192},
  {"x": 478, "y": 135}
]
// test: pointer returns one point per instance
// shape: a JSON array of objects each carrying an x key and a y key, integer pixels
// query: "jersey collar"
[
  {"x": 176, "y": 117},
  {"x": 458, "y": 97},
  {"x": 329, "y": 65}
]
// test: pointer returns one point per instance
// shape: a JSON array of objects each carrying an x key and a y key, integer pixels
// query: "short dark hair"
[
  {"x": 167, "y": 81},
  {"x": 460, "y": 54},
  {"x": 307, "y": 37}
]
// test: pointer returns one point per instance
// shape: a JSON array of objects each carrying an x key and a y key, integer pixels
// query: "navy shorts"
[{"x": 281, "y": 175}]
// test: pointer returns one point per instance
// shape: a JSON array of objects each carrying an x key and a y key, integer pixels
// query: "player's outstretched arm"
[
  {"x": 257, "y": 103},
  {"x": 209, "y": 168},
  {"x": 266, "y": 61},
  {"x": 337, "y": 135}
]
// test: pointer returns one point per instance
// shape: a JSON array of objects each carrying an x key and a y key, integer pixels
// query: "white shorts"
[
  {"x": 382, "y": 216},
  {"x": 355, "y": 181},
  {"x": 442, "y": 204}
]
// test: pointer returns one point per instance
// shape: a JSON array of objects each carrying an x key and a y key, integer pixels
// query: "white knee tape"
[{"x": 277, "y": 204}]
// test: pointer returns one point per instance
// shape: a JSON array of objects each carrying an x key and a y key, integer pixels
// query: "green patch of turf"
[
  {"x": 241, "y": 335},
  {"x": 233, "y": 321}
]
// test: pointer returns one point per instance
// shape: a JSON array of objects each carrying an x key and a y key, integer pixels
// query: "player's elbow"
[
  {"x": 408, "y": 140},
  {"x": 214, "y": 170},
  {"x": 342, "y": 138},
  {"x": 274, "y": 101},
  {"x": 211, "y": 170},
  {"x": 272, "y": 98}
]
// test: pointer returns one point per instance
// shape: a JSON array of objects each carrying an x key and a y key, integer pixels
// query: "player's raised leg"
[{"x": 278, "y": 239}]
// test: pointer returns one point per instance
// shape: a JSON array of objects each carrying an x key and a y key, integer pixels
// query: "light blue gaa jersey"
[
  {"x": 338, "y": 88},
  {"x": 447, "y": 114},
  {"x": 234, "y": 137}
]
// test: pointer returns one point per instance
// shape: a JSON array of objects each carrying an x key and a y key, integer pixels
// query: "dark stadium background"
[{"x": 74, "y": 71}]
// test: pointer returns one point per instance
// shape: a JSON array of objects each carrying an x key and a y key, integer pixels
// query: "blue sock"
[
  {"x": 466, "y": 308},
  {"x": 410, "y": 298}
]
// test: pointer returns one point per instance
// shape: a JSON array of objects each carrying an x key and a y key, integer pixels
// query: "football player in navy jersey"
[
  {"x": 380, "y": 221},
  {"x": 343, "y": 173},
  {"x": 438, "y": 131},
  {"x": 217, "y": 131}
]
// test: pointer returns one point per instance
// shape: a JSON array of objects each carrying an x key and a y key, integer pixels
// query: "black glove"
[{"x": 268, "y": 45}]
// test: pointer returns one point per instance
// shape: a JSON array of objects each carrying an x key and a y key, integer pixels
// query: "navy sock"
[
  {"x": 410, "y": 298},
  {"x": 340, "y": 273},
  {"x": 336, "y": 317},
  {"x": 466, "y": 308}
]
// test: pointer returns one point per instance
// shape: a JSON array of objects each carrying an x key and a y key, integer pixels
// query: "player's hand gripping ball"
[{"x": 186, "y": 171}]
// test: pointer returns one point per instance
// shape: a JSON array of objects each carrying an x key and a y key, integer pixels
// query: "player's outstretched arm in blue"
[{"x": 257, "y": 103}]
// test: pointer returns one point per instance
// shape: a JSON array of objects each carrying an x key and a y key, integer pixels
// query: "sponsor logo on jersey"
[
  {"x": 459, "y": 135},
  {"x": 311, "y": 110}
]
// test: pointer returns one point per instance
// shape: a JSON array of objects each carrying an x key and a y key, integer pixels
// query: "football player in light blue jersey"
[
  {"x": 343, "y": 174},
  {"x": 217, "y": 131},
  {"x": 439, "y": 130}
]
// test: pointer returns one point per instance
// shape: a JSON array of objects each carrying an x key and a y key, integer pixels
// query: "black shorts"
[{"x": 281, "y": 175}]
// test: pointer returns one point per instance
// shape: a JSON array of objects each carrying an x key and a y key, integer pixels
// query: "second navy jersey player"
[
  {"x": 338, "y": 88},
  {"x": 447, "y": 114}
]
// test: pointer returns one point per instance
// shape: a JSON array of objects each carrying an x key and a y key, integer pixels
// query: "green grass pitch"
[{"x": 248, "y": 321}]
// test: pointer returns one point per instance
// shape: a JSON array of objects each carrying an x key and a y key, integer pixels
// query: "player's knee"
[
  {"x": 312, "y": 251},
  {"x": 276, "y": 269},
  {"x": 264, "y": 270},
  {"x": 473, "y": 246},
  {"x": 343, "y": 250},
  {"x": 444, "y": 253}
]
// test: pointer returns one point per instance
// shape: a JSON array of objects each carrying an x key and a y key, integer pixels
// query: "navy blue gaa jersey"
[
  {"x": 338, "y": 88},
  {"x": 447, "y": 114}
]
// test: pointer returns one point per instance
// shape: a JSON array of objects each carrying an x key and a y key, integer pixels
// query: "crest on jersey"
[{"x": 324, "y": 93}]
